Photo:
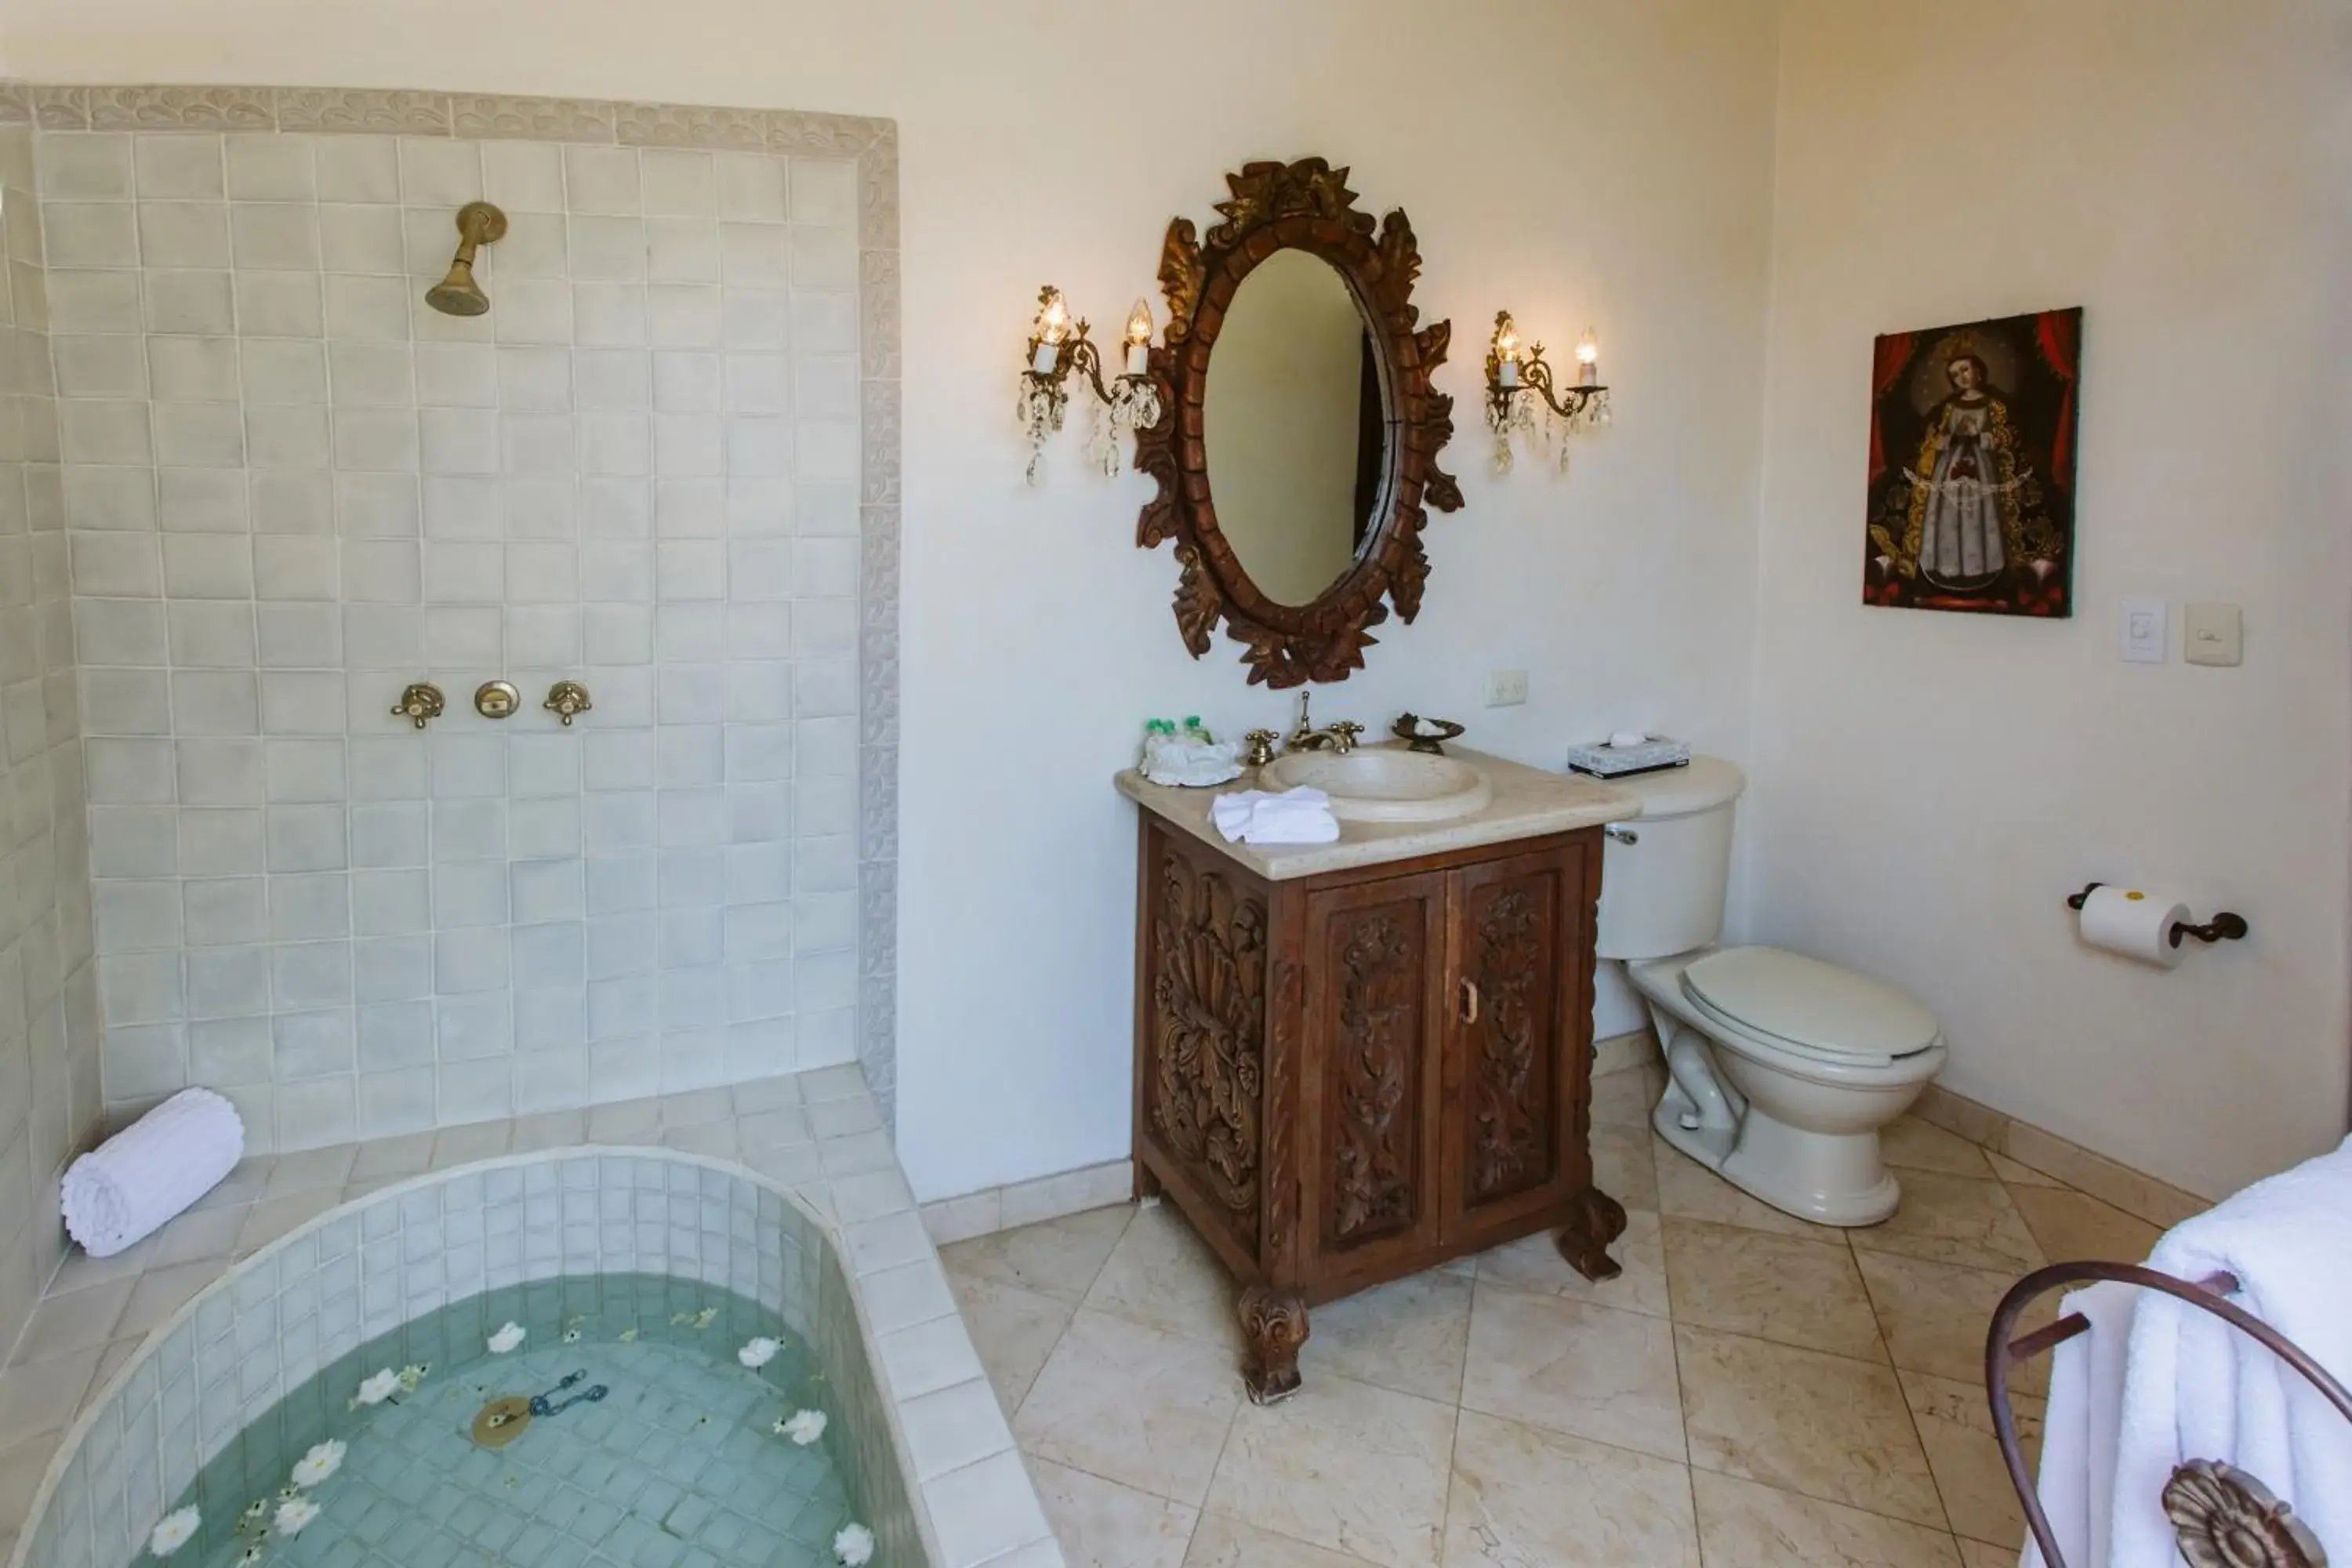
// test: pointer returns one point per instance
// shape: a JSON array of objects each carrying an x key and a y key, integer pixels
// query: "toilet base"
[{"x": 1838, "y": 1180}]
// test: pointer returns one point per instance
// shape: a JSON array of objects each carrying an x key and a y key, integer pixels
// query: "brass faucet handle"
[
  {"x": 1343, "y": 735},
  {"x": 567, "y": 699},
  {"x": 420, "y": 704},
  {"x": 496, "y": 698},
  {"x": 1261, "y": 747}
]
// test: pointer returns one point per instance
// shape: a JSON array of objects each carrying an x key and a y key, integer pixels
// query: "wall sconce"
[
  {"x": 1514, "y": 371},
  {"x": 1059, "y": 347}
]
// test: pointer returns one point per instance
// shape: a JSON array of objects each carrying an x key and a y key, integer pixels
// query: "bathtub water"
[{"x": 653, "y": 1446}]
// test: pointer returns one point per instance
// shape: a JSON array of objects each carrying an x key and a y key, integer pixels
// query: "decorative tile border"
[
  {"x": 873, "y": 144},
  {"x": 865, "y": 1289}
]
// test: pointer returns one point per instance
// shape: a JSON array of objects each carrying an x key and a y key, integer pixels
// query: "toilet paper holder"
[{"x": 2222, "y": 926}]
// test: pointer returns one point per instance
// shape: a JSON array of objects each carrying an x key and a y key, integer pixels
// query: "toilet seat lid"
[{"x": 1814, "y": 1005}]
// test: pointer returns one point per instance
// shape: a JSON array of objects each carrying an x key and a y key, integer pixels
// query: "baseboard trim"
[
  {"x": 1633, "y": 1048},
  {"x": 2135, "y": 1193},
  {"x": 2110, "y": 1181},
  {"x": 992, "y": 1209},
  {"x": 1008, "y": 1207}
]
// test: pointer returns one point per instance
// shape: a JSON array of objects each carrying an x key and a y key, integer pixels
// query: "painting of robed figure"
[{"x": 1972, "y": 466}]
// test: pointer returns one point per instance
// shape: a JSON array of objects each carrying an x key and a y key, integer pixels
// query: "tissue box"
[{"x": 1651, "y": 756}]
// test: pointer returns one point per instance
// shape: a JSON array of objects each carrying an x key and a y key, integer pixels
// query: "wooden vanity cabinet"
[{"x": 1351, "y": 1077}]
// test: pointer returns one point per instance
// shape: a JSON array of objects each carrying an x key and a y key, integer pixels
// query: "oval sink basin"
[{"x": 1384, "y": 784}]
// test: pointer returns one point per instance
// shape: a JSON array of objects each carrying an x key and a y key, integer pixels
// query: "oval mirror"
[{"x": 1295, "y": 423}]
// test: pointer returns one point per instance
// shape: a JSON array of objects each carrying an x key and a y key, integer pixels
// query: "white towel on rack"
[
  {"x": 2079, "y": 1434},
  {"x": 127, "y": 1187},
  {"x": 1301, "y": 815},
  {"x": 2199, "y": 1389}
]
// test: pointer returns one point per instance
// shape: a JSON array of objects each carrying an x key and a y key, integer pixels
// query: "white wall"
[
  {"x": 1928, "y": 787},
  {"x": 1048, "y": 140}
]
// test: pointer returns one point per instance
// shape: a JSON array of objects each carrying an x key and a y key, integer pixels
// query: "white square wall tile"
[
  {"x": 602, "y": 180},
  {"x": 523, "y": 176}
]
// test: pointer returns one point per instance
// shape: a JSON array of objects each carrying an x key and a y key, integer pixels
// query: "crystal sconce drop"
[
  {"x": 1517, "y": 377},
  {"x": 1058, "y": 347}
]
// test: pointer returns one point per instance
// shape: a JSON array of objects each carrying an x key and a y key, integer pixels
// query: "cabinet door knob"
[
  {"x": 1621, "y": 834},
  {"x": 1469, "y": 1000}
]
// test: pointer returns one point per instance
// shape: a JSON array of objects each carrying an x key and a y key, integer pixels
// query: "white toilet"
[{"x": 1782, "y": 1068}]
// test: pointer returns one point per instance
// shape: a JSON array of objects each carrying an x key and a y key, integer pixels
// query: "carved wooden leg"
[
  {"x": 1594, "y": 1220},
  {"x": 1274, "y": 1325}
]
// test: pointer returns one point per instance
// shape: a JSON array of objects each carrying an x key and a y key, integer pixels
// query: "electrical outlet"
[
  {"x": 2213, "y": 633},
  {"x": 1507, "y": 688}
]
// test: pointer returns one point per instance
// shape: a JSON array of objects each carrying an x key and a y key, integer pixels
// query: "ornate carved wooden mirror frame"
[{"x": 1306, "y": 205}]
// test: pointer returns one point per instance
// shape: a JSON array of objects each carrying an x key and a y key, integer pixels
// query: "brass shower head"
[{"x": 478, "y": 224}]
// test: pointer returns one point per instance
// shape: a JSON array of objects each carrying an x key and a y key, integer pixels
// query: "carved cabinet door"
[
  {"x": 1375, "y": 959},
  {"x": 1517, "y": 1069}
]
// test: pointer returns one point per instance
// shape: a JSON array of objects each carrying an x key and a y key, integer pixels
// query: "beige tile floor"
[{"x": 1754, "y": 1392}]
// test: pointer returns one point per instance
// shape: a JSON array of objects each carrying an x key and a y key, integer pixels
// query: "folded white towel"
[
  {"x": 2079, "y": 1434},
  {"x": 2198, "y": 1389},
  {"x": 127, "y": 1187},
  {"x": 1301, "y": 815}
]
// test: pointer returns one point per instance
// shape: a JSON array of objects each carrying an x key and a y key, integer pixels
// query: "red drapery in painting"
[
  {"x": 1892, "y": 356},
  {"x": 2057, "y": 333}
]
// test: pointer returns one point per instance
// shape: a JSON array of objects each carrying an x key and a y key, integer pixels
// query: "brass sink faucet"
[{"x": 1340, "y": 738}]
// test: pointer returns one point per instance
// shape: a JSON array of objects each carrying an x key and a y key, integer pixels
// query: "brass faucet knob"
[
  {"x": 567, "y": 699},
  {"x": 1261, "y": 747},
  {"x": 496, "y": 698},
  {"x": 420, "y": 704},
  {"x": 1344, "y": 735}
]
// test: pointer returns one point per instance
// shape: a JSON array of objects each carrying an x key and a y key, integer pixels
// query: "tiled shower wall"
[
  {"x": 663, "y": 464},
  {"x": 48, "y": 1016}
]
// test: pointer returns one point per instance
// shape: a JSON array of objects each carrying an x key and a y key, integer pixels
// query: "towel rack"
[{"x": 2219, "y": 1513}]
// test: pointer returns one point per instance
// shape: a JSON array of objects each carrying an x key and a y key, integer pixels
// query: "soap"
[{"x": 1628, "y": 738}]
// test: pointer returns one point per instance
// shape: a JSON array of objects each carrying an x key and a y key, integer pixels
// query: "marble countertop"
[{"x": 1528, "y": 802}]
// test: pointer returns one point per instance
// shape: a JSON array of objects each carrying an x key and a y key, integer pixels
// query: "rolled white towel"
[{"x": 126, "y": 1188}]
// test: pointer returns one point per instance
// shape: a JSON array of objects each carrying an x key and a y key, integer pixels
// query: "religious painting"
[{"x": 1972, "y": 466}]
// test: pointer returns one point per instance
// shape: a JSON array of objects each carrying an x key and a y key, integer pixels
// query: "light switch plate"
[
  {"x": 2213, "y": 633},
  {"x": 1507, "y": 688},
  {"x": 2143, "y": 629}
]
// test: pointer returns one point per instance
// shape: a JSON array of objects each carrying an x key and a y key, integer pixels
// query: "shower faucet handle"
[
  {"x": 420, "y": 704},
  {"x": 567, "y": 699}
]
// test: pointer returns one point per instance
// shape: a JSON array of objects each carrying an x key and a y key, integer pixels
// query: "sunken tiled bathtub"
[{"x": 836, "y": 1258}]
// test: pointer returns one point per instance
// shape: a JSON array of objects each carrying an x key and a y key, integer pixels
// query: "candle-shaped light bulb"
[
  {"x": 1139, "y": 339},
  {"x": 1588, "y": 360},
  {"x": 1053, "y": 326},
  {"x": 1506, "y": 351}
]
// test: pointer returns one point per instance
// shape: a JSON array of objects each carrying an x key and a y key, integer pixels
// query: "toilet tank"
[{"x": 1662, "y": 877}]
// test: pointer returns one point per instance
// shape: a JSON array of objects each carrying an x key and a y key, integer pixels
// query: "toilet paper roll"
[{"x": 2134, "y": 923}]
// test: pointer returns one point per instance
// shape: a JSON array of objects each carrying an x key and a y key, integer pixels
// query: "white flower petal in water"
[
  {"x": 380, "y": 1387},
  {"x": 758, "y": 1353},
  {"x": 319, "y": 1463},
  {"x": 507, "y": 1338},
  {"x": 412, "y": 1376},
  {"x": 174, "y": 1531},
  {"x": 293, "y": 1516},
  {"x": 853, "y": 1545},
  {"x": 804, "y": 1426}
]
